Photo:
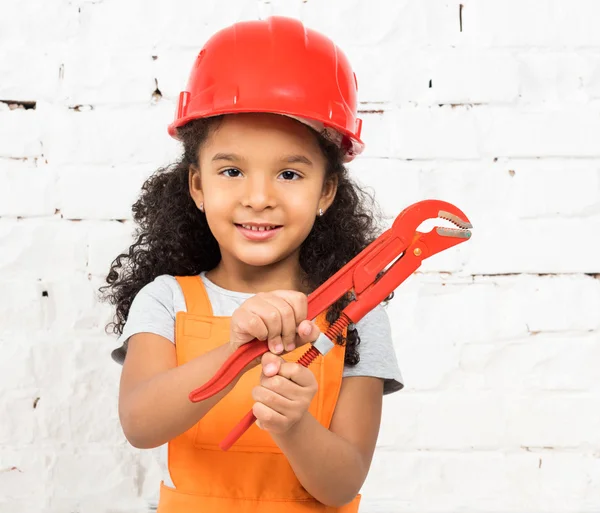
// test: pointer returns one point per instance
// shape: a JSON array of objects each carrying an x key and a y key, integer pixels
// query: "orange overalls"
[{"x": 253, "y": 476}]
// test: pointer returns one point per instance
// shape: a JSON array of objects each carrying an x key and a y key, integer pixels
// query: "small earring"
[
  {"x": 201, "y": 207},
  {"x": 320, "y": 212}
]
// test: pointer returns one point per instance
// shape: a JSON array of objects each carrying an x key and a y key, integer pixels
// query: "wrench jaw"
[
  {"x": 441, "y": 238},
  {"x": 406, "y": 224}
]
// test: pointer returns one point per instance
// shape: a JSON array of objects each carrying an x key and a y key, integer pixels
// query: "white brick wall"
[{"x": 499, "y": 339}]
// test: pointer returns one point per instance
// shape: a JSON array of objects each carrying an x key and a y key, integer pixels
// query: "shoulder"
[
  {"x": 163, "y": 291},
  {"x": 152, "y": 310},
  {"x": 160, "y": 286}
]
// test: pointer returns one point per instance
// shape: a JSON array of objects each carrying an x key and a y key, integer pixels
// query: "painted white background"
[{"x": 494, "y": 106}]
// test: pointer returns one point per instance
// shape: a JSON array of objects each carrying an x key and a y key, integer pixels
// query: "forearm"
[
  {"x": 158, "y": 409},
  {"x": 328, "y": 466}
]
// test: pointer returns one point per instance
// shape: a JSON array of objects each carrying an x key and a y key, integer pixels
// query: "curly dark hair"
[{"x": 173, "y": 237}]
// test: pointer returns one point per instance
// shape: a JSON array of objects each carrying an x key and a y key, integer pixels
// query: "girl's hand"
[
  {"x": 272, "y": 316},
  {"x": 286, "y": 389}
]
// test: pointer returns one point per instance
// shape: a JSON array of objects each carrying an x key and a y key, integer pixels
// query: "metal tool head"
[{"x": 410, "y": 219}]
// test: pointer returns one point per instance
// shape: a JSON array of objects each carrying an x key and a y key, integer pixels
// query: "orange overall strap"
[{"x": 196, "y": 298}]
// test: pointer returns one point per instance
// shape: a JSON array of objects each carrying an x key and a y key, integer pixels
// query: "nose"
[{"x": 259, "y": 192}]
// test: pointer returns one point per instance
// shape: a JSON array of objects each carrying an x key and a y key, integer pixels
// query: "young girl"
[{"x": 257, "y": 213}]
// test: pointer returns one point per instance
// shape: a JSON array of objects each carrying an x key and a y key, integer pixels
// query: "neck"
[{"x": 284, "y": 275}]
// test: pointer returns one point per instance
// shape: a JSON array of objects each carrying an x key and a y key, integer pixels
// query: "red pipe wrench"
[{"x": 395, "y": 254}]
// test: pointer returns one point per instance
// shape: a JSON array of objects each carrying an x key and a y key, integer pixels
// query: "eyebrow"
[
  {"x": 231, "y": 157},
  {"x": 290, "y": 159},
  {"x": 297, "y": 159}
]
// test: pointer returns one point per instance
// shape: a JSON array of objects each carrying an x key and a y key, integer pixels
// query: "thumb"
[
  {"x": 308, "y": 332},
  {"x": 271, "y": 363}
]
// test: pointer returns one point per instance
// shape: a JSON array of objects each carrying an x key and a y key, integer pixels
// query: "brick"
[
  {"x": 481, "y": 481},
  {"x": 422, "y": 372},
  {"x": 576, "y": 23},
  {"x": 377, "y": 133},
  {"x": 534, "y": 246},
  {"x": 453, "y": 411},
  {"x": 68, "y": 303},
  {"x": 428, "y": 312},
  {"x": 88, "y": 412},
  {"x": 103, "y": 137},
  {"x": 106, "y": 241},
  {"x": 510, "y": 189},
  {"x": 454, "y": 481},
  {"x": 591, "y": 76},
  {"x": 553, "y": 77},
  {"x": 467, "y": 76},
  {"x": 425, "y": 309},
  {"x": 22, "y": 304},
  {"x": 40, "y": 249},
  {"x": 190, "y": 34},
  {"x": 535, "y": 131},
  {"x": 542, "y": 362},
  {"x": 555, "y": 189},
  {"x": 536, "y": 420},
  {"x": 94, "y": 76},
  {"x": 92, "y": 192},
  {"x": 543, "y": 305},
  {"x": 45, "y": 25},
  {"x": 406, "y": 24},
  {"x": 98, "y": 19},
  {"x": 435, "y": 133},
  {"x": 28, "y": 189},
  {"x": 22, "y": 476},
  {"x": 38, "y": 81},
  {"x": 20, "y": 135},
  {"x": 564, "y": 304},
  {"x": 75, "y": 304},
  {"x": 505, "y": 419},
  {"x": 19, "y": 426},
  {"x": 96, "y": 480},
  {"x": 512, "y": 23},
  {"x": 394, "y": 184},
  {"x": 370, "y": 61},
  {"x": 172, "y": 68},
  {"x": 429, "y": 77}
]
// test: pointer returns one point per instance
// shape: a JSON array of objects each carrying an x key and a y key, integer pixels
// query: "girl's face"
[{"x": 261, "y": 171}]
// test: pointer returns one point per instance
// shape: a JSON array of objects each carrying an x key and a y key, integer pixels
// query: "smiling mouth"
[{"x": 258, "y": 228}]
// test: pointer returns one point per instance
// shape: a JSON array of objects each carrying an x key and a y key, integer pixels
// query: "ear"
[
  {"x": 328, "y": 193},
  {"x": 195, "y": 185}
]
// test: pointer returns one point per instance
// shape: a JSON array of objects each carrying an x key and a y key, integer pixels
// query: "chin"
[
  {"x": 259, "y": 260},
  {"x": 261, "y": 257}
]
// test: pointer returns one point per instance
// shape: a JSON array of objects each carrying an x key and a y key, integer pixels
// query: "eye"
[
  {"x": 231, "y": 169},
  {"x": 288, "y": 175}
]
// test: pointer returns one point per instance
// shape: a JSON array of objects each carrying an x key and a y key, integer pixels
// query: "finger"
[
  {"x": 298, "y": 300},
  {"x": 297, "y": 373},
  {"x": 271, "y": 317},
  {"x": 267, "y": 417},
  {"x": 271, "y": 364},
  {"x": 248, "y": 326},
  {"x": 288, "y": 321},
  {"x": 273, "y": 400},
  {"x": 282, "y": 386}
]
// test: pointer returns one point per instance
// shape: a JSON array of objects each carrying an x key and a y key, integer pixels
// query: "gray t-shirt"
[{"x": 154, "y": 307}]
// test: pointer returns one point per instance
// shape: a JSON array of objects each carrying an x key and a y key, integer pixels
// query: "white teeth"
[{"x": 257, "y": 228}]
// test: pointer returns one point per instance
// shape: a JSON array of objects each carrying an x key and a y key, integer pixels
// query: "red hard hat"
[{"x": 279, "y": 66}]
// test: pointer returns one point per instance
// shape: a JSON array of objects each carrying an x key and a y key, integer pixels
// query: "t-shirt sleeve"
[
  {"x": 152, "y": 311},
  {"x": 376, "y": 350}
]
